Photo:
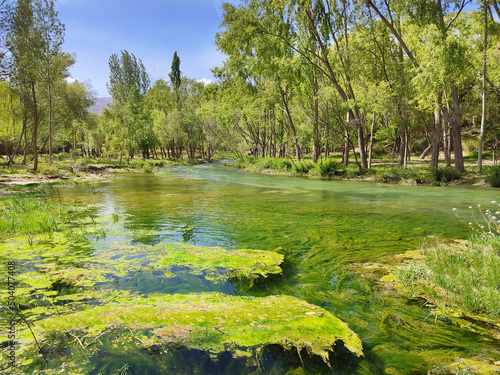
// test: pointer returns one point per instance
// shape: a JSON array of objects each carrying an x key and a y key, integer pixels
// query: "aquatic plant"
[
  {"x": 27, "y": 215},
  {"x": 213, "y": 322}
]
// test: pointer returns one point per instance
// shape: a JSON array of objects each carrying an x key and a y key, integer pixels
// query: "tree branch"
[
  {"x": 464, "y": 3},
  {"x": 395, "y": 33}
]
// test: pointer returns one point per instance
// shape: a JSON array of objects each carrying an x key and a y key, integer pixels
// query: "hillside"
[{"x": 100, "y": 104}]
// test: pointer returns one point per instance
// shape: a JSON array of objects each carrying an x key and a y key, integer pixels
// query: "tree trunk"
[
  {"x": 402, "y": 155},
  {"x": 290, "y": 123},
  {"x": 456, "y": 133},
  {"x": 317, "y": 138},
  {"x": 437, "y": 131},
  {"x": 371, "y": 142},
  {"x": 35, "y": 128},
  {"x": 361, "y": 141},
  {"x": 483, "y": 94},
  {"x": 446, "y": 144},
  {"x": 345, "y": 154}
]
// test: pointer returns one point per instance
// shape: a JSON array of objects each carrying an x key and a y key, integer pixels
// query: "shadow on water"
[{"x": 271, "y": 359}]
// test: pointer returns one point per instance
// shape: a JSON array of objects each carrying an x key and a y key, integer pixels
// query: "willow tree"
[
  {"x": 439, "y": 56},
  {"x": 262, "y": 65}
]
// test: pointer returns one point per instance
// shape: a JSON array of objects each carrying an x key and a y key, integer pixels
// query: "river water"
[{"x": 336, "y": 233}]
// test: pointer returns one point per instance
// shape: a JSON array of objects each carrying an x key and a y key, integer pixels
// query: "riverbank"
[
  {"x": 64, "y": 169},
  {"x": 418, "y": 172}
]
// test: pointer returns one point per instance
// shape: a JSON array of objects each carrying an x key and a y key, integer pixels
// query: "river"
[{"x": 336, "y": 233}]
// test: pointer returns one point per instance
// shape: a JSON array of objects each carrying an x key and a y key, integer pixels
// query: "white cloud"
[
  {"x": 206, "y": 81},
  {"x": 70, "y": 80}
]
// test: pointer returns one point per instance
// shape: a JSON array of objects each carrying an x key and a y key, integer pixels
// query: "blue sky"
[{"x": 150, "y": 29}]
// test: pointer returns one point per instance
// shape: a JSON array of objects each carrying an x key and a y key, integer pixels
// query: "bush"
[
  {"x": 284, "y": 165},
  {"x": 303, "y": 167},
  {"x": 243, "y": 162},
  {"x": 493, "y": 176},
  {"x": 446, "y": 174},
  {"x": 329, "y": 168}
]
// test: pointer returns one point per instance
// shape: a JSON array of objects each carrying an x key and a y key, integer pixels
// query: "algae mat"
[
  {"x": 70, "y": 305},
  {"x": 213, "y": 322}
]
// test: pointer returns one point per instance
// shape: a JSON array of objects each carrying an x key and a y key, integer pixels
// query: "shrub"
[
  {"x": 243, "y": 162},
  {"x": 284, "y": 165},
  {"x": 493, "y": 176},
  {"x": 329, "y": 168},
  {"x": 446, "y": 174},
  {"x": 303, "y": 167}
]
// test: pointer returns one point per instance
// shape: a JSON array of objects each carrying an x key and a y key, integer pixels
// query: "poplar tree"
[
  {"x": 175, "y": 75},
  {"x": 128, "y": 82}
]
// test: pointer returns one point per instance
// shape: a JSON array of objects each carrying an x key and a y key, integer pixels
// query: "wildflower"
[
  {"x": 482, "y": 226},
  {"x": 470, "y": 207},
  {"x": 493, "y": 201},
  {"x": 471, "y": 223},
  {"x": 454, "y": 209},
  {"x": 493, "y": 217}
]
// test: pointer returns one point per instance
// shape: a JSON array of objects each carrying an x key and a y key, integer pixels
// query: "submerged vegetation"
[{"x": 74, "y": 294}]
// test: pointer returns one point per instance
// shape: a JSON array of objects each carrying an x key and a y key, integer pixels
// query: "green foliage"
[
  {"x": 464, "y": 277},
  {"x": 29, "y": 216},
  {"x": 278, "y": 164},
  {"x": 330, "y": 168},
  {"x": 445, "y": 174},
  {"x": 493, "y": 176},
  {"x": 303, "y": 167}
]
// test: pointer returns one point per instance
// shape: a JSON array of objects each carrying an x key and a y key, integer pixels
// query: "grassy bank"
[
  {"x": 65, "y": 167},
  {"x": 383, "y": 170},
  {"x": 462, "y": 279}
]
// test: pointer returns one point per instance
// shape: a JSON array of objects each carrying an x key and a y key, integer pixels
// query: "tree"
[
  {"x": 175, "y": 75},
  {"x": 56, "y": 62},
  {"x": 25, "y": 42},
  {"x": 34, "y": 40},
  {"x": 128, "y": 83}
]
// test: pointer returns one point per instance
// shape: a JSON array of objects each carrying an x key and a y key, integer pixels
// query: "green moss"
[{"x": 216, "y": 322}]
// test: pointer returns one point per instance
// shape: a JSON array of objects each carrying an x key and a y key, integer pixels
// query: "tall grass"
[
  {"x": 29, "y": 215},
  {"x": 466, "y": 277},
  {"x": 446, "y": 175}
]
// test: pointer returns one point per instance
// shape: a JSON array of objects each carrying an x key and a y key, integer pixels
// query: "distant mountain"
[{"x": 100, "y": 104}]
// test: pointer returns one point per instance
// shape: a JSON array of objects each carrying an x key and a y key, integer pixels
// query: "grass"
[
  {"x": 383, "y": 170},
  {"x": 28, "y": 214},
  {"x": 463, "y": 277}
]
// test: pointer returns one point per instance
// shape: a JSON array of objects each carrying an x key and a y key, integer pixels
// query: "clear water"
[{"x": 329, "y": 229}]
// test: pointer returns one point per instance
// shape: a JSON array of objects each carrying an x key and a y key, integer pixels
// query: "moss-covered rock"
[{"x": 216, "y": 322}]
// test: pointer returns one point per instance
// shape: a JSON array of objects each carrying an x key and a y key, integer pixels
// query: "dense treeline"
[
  {"x": 394, "y": 76},
  {"x": 38, "y": 106},
  {"x": 361, "y": 78}
]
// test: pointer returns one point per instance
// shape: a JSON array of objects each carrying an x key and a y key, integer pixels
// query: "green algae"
[
  {"x": 217, "y": 262},
  {"x": 213, "y": 322}
]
